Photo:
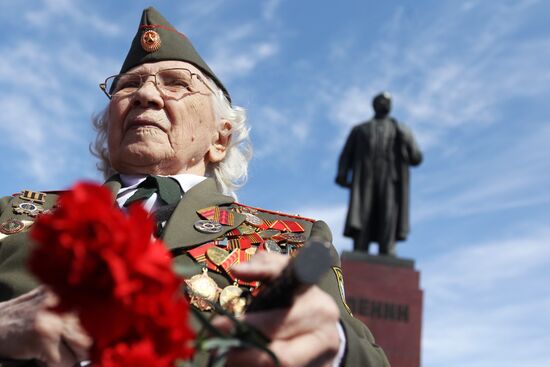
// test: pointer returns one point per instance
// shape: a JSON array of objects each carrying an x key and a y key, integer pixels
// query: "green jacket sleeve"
[{"x": 361, "y": 349}]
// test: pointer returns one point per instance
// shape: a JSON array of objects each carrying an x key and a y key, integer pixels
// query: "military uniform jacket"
[{"x": 180, "y": 236}]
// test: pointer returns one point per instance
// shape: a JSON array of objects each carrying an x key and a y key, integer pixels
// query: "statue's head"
[{"x": 382, "y": 104}]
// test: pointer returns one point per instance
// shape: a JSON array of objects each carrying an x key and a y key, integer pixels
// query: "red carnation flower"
[{"x": 107, "y": 266}]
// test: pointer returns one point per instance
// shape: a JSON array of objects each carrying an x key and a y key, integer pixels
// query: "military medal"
[
  {"x": 28, "y": 208},
  {"x": 199, "y": 253},
  {"x": 216, "y": 214},
  {"x": 293, "y": 237},
  {"x": 203, "y": 290},
  {"x": 216, "y": 255},
  {"x": 272, "y": 246},
  {"x": 150, "y": 40},
  {"x": 250, "y": 251},
  {"x": 231, "y": 300},
  {"x": 33, "y": 196},
  {"x": 286, "y": 225},
  {"x": 246, "y": 229},
  {"x": 253, "y": 219},
  {"x": 12, "y": 226},
  {"x": 245, "y": 209},
  {"x": 207, "y": 226},
  {"x": 268, "y": 233}
]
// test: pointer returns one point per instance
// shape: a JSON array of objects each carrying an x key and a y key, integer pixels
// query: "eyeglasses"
[{"x": 171, "y": 83}]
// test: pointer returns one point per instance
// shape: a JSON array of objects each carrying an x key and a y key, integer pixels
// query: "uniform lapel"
[
  {"x": 114, "y": 185},
  {"x": 180, "y": 231}
]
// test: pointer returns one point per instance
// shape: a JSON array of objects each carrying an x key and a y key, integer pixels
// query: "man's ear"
[{"x": 220, "y": 142}]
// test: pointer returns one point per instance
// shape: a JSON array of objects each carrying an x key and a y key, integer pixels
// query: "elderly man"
[{"x": 171, "y": 139}]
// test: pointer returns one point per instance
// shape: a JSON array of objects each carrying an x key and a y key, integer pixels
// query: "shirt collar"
[{"x": 185, "y": 180}]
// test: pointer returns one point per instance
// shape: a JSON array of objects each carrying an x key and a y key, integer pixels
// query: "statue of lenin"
[{"x": 374, "y": 164}]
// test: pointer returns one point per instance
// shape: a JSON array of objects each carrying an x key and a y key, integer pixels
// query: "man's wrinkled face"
[{"x": 151, "y": 134}]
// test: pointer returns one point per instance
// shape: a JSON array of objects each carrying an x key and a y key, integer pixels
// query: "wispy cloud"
[
  {"x": 515, "y": 177},
  {"x": 277, "y": 125},
  {"x": 231, "y": 61},
  {"x": 440, "y": 81},
  {"x": 270, "y": 9},
  {"x": 45, "y": 110},
  {"x": 71, "y": 12},
  {"x": 453, "y": 80},
  {"x": 233, "y": 48},
  {"x": 481, "y": 298}
]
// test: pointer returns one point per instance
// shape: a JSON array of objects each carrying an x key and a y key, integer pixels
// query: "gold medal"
[
  {"x": 216, "y": 255},
  {"x": 231, "y": 300},
  {"x": 251, "y": 251},
  {"x": 246, "y": 229},
  {"x": 202, "y": 290}
]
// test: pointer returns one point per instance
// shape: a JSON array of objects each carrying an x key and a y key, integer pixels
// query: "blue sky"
[{"x": 471, "y": 78}]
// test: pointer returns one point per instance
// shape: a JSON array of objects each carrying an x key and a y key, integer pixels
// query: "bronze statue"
[{"x": 374, "y": 164}]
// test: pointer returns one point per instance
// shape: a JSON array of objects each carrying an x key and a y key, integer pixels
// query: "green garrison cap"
[{"x": 157, "y": 40}]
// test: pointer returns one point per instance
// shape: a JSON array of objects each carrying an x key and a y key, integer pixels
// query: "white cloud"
[
  {"x": 440, "y": 81},
  {"x": 70, "y": 12},
  {"x": 46, "y": 112},
  {"x": 513, "y": 178},
  {"x": 270, "y": 8},
  {"x": 273, "y": 127},
  {"x": 480, "y": 300},
  {"x": 451, "y": 80},
  {"x": 231, "y": 61},
  {"x": 29, "y": 143},
  {"x": 198, "y": 9}
]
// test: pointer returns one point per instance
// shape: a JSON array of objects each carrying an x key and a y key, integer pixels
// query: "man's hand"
[
  {"x": 304, "y": 334},
  {"x": 29, "y": 330}
]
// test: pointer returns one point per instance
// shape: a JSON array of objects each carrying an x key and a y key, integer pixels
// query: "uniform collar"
[
  {"x": 186, "y": 180},
  {"x": 180, "y": 231}
]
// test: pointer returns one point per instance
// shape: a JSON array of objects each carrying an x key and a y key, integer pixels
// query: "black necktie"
[{"x": 168, "y": 190}]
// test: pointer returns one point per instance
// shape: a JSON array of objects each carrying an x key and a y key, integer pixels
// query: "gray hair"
[{"x": 229, "y": 174}]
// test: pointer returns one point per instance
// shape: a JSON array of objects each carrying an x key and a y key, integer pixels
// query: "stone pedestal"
[{"x": 384, "y": 292}]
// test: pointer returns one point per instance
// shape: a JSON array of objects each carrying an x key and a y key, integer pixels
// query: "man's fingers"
[
  {"x": 67, "y": 357},
  {"x": 305, "y": 350},
  {"x": 75, "y": 337},
  {"x": 309, "y": 311},
  {"x": 35, "y": 296},
  {"x": 301, "y": 351},
  {"x": 263, "y": 266},
  {"x": 273, "y": 324},
  {"x": 48, "y": 326},
  {"x": 268, "y": 322}
]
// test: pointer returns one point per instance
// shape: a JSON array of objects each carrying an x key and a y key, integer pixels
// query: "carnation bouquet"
[{"x": 106, "y": 265}]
